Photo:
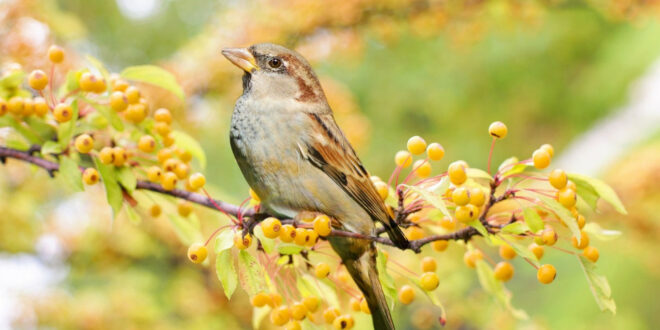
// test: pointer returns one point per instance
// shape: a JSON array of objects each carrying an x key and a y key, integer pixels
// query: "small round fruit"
[
  {"x": 330, "y": 314},
  {"x": 163, "y": 115},
  {"x": 448, "y": 223},
  {"x": 118, "y": 85},
  {"x": 136, "y": 112},
  {"x": 63, "y": 113},
  {"x": 406, "y": 294},
  {"x": 355, "y": 304},
  {"x": 197, "y": 181},
  {"x": 163, "y": 155},
  {"x": 118, "y": 101},
  {"x": 364, "y": 307},
  {"x": 90, "y": 176},
  {"x": 321, "y": 270},
  {"x": 549, "y": 149},
  {"x": 466, "y": 213},
  {"x": 280, "y": 315},
  {"x": 457, "y": 173},
  {"x": 312, "y": 237},
  {"x": 132, "y": 95},
  {"x": 435, "y": 151},
  {"x": 107, "y": 155},
  {"x": 428, "y": 264},
  {"x": 84, "y": 143},
  {"x": 298, "y": 311},
  {"x": 197, "y": 253},
  {"x": 383, "y": 189},
  {"x": 503, "y": 271},
  {"x": 429, "y": 281},
  {"x": 591, "y": 253},
  {"x": 477, "y": 197},
  {"x": 181, "y": 170},
  {"x": 403, "y": 159},
  {"x": 537, "y": 250},
  {"x": 460, "y": 196},
  {"x": 38, "y": 80},
  {"x": 566, "y": 197},
  {"x": 154, "y": 174},
  {"x": 507, "y": 252},
  {"x": 312, "y": 303},
  {"x": 498, "y": 130},
  {"x": 242, "y": 242},
  {"x": 162, "y": 128},
  {"x": 271, "y": 227},
  {"x": 558, "y": 179},
  {"x": 302, "y": 236},
  {"x": 155, "y": 210},
  {"x": 471, "y": 257},
  {"x": 416, "y": 145},
  {"x": 343, "y": 322},
  {"x": 571, "y": 185},
  {"x": 546, "y": 274},
  {"x": 55, "y": 54},
  {"x": 261, "y": 299},
  {"x": 322, "y": 225},
  {"x": 541, "y": 159},
  {"x": 15, "y": 105},
  {"x": 584, "y": 240},
  {"x": 287, "y": 233},
  {"x": 40, "y": 107},
  {"x": 293, "y": 325},
  {"x": 168, "y": 180},
  {"x": 422, "y": 168},
  {"x": 184, "y": 155},
  {"x": 28, "y": 107},
  {"x": 549, "y": 236},
  {"x": 581, "y": 221},
  {"x": 146, "y": 143},
  {"x": 87, "y": 82},
  {"x": 414, "y": 233},
  {"x": 440, "y": 245},
  {"x": 120, "y": 156},
  {"x": 184, "y": 208}
]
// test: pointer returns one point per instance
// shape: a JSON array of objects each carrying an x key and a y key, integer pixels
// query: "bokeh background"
[{"x": 582, "y": 75}]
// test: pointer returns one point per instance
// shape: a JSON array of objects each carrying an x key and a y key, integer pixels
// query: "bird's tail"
[
  {"x": 365, "y": 274},
  {"x": 396, "y": 234}
]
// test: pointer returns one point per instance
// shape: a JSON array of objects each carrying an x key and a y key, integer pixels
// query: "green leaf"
[
  {"x": 251, "y": 274},
  {"x": 21, "y": 129},
  {"x": 533, "y": 219},
  {"x": 603, "y": 190},
  {"x": 318, "y": 288},
  {"x": 65, "y": 130},
  {"x": 187, "y": 142},
  {"x": 70, "y": 173},
  {"x": 389, "y": 287},
  {"x": 520, "y": 250},
  {"x": 512, "y": 169},
  {"x": 479, "y": 227},
  {"x": 70, "y": 84},
  {"x": 226, "y": 271},
  {"x": 16, "y": 141},
  {"x": 258, "y": 315},
  {"x": 41, "y": 128},
  {"x": 132, "y": 215},
  {"x": 126, "y": 178},
  {"x": 154, "y": 75},
  {"x": 476, "y": 173},
  {"x": 51, "y": 147},
  {"x": 431, "y": 198},
  {"x": 187, "y": 230},
  {"x": 596, "y": 231},
  {"x": 12, "y": 80},
  {"x": 98, "y": 65},
  {"x": 224, "y": 241},
  {"x": 267, "y": 243},
  {"x": 112, "y": 190},
  {"x": 599, "y": 286},
  {"x": 287, "y": 248},
  {"x": 496, "y": 288},
  {"x": 563, "y": 214},
  {"x": 110, "y": 115},
  {"x": 516, "y": 228}
]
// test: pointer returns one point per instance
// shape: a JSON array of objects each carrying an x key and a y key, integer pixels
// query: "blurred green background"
[{"x": 443, "y": 70}]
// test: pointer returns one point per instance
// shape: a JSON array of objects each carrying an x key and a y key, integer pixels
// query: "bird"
[{"x": 295, "y": 157}]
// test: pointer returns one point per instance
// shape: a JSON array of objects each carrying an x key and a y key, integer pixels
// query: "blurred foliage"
[{"x": 391, "y": 69}]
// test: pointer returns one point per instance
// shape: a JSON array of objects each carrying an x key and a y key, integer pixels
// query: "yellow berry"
[
  {"x": 429, "y": 264},
  {"x": 55, "y": 54},
  {"x": 163, "y": 155},
  {"x": 146, "y": 143},
  {"x": 184, "y": 155},
  {"x": 312, "y": 303},
  {"x": 440, "y": 245},
  {"x": 406, "y": 294},
  {"x": 275, "y": 299},
  {"x": 63, "y": 113},
  {"x": 414, "y": 233},
  {"x": 422, "y": 168},
  {"x": 549, "y": 149},
  {"x": 558, "y": 179},
  {"x": 364, "y": 307},
  {"x": 403, "y": 159},
  {"x": 541, "y": 159},
  {"x": 280, "y": 315},
  {"x": 197, "y": 253},
  {"x": 242, "y": 242},
  {"x": 170, "y": 164},
  {"x": 90, "y": 176},
  {"x": 321, "y": 270},
  {"x": 343, "y": 322},
  {"x": 581, "y": 221},
  {"x": 15, "y": 105},
  {"x": 118, "y": 85},
  {"x": 507, "y": 252},
  {"x": 471, "y": 257},
  {"x": 118, "y": 101},
  {"x": 416, "y": 145},
  {"x": 549, "y": 236},
  {"x": 584, "y": 240},
  {"x": 261, "y": 299},
  {"x": 132, "y": 95},
  {"x": 312, "y": 237},
  {"x": 287, "y": 233},
  {"x": 435, "y": 151},
  {"x": 355, "y": 304},
  {"x": 591, "y": 253},
  {"x": 460, "y": 196},
  {"x": 40, "y": 107},
  {"x": 383, "y": 189},
  {"x": 168, "y": 140},
  {"x": 181, "y": 170},
  {"x": 567, "y": 197},
  {"x": 302, "y": 236},
  {"x": 106, "y": 155},
  {"x": 38, "y": 80},
  {"x": 84, "y": 143},
  {"x": 546, "y": 274},
  {"x": 503, "y": 271},
  {"x": 293, "y": 325},
  {"x": 120, "y": 156},
  {"x": 537, "y": 250},
  {"x": 298, "y": 311},
  {"x": 466, "y": 213},
  {"x": 136, "y": 112},
  {"x": 322, "y": 225},
  {"x": 162, "y": 128},
  {"x": 28, "y": 107},
  {"x": 184, "y": 208},
  {"x": 497, "y": 130},
  {"x": 87, "y": 82},
  {"x": 163, "y": 115},
  {"x": 155, "y": 210},
  {"x": 168, "y": 180},
  {"x": 154, "y": 174},
  {"x": 571, "y": 185},
  {"x": 477, "y": 196},
  {"x": 429, "y": 281},
  {"x": 457, "y": 172},
  {"x": 196, "y": 181},
  {"x": 448, "y": 223},
  {"x": 330, "y": 314},
  {"x": 271, "y": 227}
]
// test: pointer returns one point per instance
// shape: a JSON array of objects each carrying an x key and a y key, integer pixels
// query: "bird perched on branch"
[{"x": 294, "y": 156}]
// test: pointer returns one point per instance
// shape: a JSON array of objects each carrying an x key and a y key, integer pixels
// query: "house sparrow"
[{"x": 294, "y": 156}]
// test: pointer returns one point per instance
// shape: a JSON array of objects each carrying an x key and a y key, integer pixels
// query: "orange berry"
[
  {"x": 132, "y": 95},
  {"x": 154, "y": 174},
  {"x": 15, "y": 105},
  {"x": 422, "y": 168},
  {"x": 106, "y": 155},
  {"x": 584, "y": 240},
  {"x": 503, "y": 271},
  {"x": 549, "y": 236},
  {"x": 429, "y": 264},
  {"x": 549, "y": 149},
  {"x": 162, "y": 128},
  {"x": 302, "y": 236},
  {"x": 184, "y": 208},
  {"x": 537, "y": 250},
  {"x": 146, "y": 143},
  {"x": 364, "y": 307},
  {"x": 406, "y": 294},
  {"x": 118, "y": 101},
  {"x": 321, "y": 270},
  {"x": 330, "y": 314},
  {"x": 429, "y": 281},
  {"x": 312, "y": 303},
  {"x": 155, "y": 210},
  {"x": 322, "y": 225},
  {"x": 261, "y": 299},
  {"x": 581, "y": 221},
  {"x": 136, "y": 112},
  {"x": 242, "y": 242},
  {"x": 435, "y": 151},
  {"x": 120, "y": 156},
  {"x": 414, "y": 233},
  {"x": 163, "y": 115},
  {"x": 254, "y": 195},
  {"x": 541, "y": 159},
  {"x": 457, "y": 172},
  {"x": 471, "y": 257},
  {"x": 63, "y": 113},
  {"x": 448, "y": 223},
  {"x": 440, "y": 245},
  {"x": 403, "y": 159},
  {"x": 271, "y": 227},
  {"x": 591, "y": 253},
  {"x": 558, "y": 179},
  {"x": 546, "y": 274},
  {"x": 507, "y": 252},
  {"x": 287, "y": 233},
  {"x": 383, "y": 189},
  {"x": 197, "y": 253},
  {"x": 90, "y": 176},
  {"x": 38, "y": 80},
  {"x": 280, "y": 315},
  {"x": 460, "y": 196},
  {"x": 55, "y": 54},
  {"x": 298, "y": 311},
  {"x": 566, "y": 197},
  {"x": 40, "y": 106}
]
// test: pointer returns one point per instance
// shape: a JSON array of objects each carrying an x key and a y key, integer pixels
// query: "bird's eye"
[{"x": 275, "y": 63}]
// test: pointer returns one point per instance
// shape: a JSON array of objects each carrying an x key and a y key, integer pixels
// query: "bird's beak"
[{"x": 241, "y": 57}]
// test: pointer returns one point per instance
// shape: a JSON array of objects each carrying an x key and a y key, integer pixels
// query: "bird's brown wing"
[{"x": 329, "y": 150}]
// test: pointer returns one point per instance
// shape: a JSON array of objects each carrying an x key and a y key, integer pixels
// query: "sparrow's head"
[{"x": 273, "y": 71}]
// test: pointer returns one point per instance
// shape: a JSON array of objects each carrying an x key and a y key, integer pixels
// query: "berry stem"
[
  {"x": 490, "y": 153},
  {"x": 52, "y": 78}
]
